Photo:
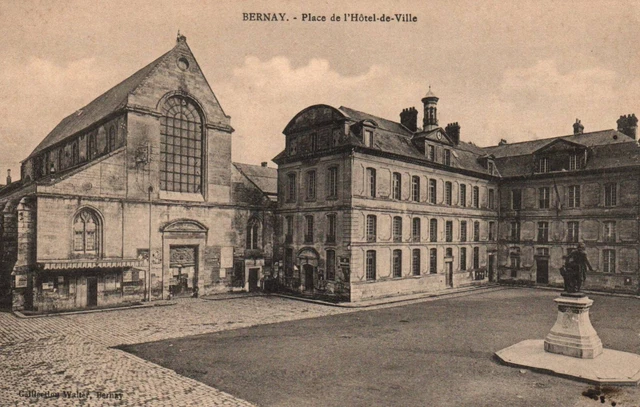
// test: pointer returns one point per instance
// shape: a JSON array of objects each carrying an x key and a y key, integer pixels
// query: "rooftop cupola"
[{"x": 430, "y": 102}]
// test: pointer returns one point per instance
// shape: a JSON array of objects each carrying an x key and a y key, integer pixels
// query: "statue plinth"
[{"x": 573, "y": 335}]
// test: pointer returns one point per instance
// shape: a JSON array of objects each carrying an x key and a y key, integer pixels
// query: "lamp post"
[{"x": 148, "y": 283}]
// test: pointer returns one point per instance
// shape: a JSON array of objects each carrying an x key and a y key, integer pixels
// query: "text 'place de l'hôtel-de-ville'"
[{"x": 134, "y": 197}]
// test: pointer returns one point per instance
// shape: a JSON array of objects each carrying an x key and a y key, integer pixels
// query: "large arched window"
[
  {"x": 181, "y": 146},
  {"x": 86, "y": 233},
  {"x": 253, "y": 234}
]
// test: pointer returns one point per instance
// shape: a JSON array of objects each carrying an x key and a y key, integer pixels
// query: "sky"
[{"x": 513, "y": 70}]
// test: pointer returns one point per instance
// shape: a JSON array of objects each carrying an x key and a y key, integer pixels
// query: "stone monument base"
[{"x": 573, "y": 335}]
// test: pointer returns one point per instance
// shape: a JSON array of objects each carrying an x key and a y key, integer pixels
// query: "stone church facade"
[
  {"x": 134, "y": 197},
  {"x": 370, "y": 207}
]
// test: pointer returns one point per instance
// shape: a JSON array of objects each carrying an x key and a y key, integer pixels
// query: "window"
[
  {"x": 371, "y": 228},
  {"x": 610, "y": 231},
  {"x": 292, "y": 189},
  {"x": 447, "y": 193},
  {"x": 368, "y": 138},
  {"x": 415, "y": 188},
  {"x": 476, "y": 231},
  {"x": 397, "y": 263},
  {"x": 516, "y": 199},
  {"x": 75, "y": 153},
  {"x": 463, "y": 258},
  {"x": 331, "y": 228},
  {"x": 432, "y": 191},
  {"x": 610, "y": 194},
  {"x": 543, "y": 165},
  {"x": 397, "y": 229},
  {"x": 574, "y": 196},
  {"x": 573, "y": 233},
  {"x": 543, "y": 232},
  {"x": 371, "y": 265},
  {"x": 371, "y": 178},
  {"x": 289, "y": 229},
  {"x": 432, "y": 153},
  {"x": 446, "y": 156},
  {"x": 311, "y": 185},
  {"x": 433, "y": 261},
  {"x": 542, "y": 251},
  {"x": 463, "y": 195},
  {"x": 476, "y": 257},
  {"x": 492, "y": 199},
  {"x": 415, "y": 230},
  {"x": 433, "y": 230},
  {"x": 448, "y": 253},
  {"x": 491, "y": 167},
  {"x": 253, "y": 234},
  {"x": 476, "y": 197},
  {"x": 308, "y": 233},
  {"x": 514, "y": 263},
  {"x": 515, "y": 231},
  {"x": 397, "y": 186},
  {"x": 111, "y": 139},
  {"x": 181, "y": 147},
  {"x": 463, "y": 230},
  {"x": 573, "y": 162},
  {"x": 415, "y": 262},
  {"x": 314, "y": 141},
  {"x": 331, "y": 265},
  {"x": 492, "y": 231},
  {"x": 332, "y": 182},
  {"x": 543, "y": 197},
  {"x": 86, "y": 233},
  {"x": 609, "y": 261},
  {"x": 448, "y": 231}
]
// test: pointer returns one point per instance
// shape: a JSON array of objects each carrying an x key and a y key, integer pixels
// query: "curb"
[
  {"x": 91, "y": 311},
  {"x": 391, "y": 300},
  {"x": 537, "y": 287}
]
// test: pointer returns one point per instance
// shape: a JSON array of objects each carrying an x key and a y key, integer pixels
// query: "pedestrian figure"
[{"x": 574, "y": 271}]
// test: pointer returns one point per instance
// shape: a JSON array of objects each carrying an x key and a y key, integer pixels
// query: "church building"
[{"x": 134, "y": 197}]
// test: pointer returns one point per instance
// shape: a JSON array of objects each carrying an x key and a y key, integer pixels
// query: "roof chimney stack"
[
  {"x": 264, "y": 164},
  {"x": 578, "y": 128},
  {"x": 8, "y": 177},
  {"x": 409, "y": 118},
  {"x": 453, "y": 131},
  {"x": 628, "y": 125}
]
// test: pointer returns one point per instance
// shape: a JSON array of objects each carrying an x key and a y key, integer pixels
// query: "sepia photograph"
[{"x": 315, "y": 204}]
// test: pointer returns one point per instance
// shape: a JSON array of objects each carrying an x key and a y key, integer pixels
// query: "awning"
[{"x": 89, "y": 264}]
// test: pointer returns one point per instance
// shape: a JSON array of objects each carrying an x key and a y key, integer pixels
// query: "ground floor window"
[
  {"x": 416, "y": 262},
  {"x": 609, "y": 261},
  {"x": 371, "y": 265},
  {"x": 433, "y": 261},
  {"x": 331, "y": 265},
  {"x": 397, "y": 263}
]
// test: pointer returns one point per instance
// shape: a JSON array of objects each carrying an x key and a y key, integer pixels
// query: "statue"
[{"x": 574, "y": 271}]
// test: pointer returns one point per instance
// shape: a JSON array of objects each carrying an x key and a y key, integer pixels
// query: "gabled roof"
[
  {"x": 109, "y": 102},
  {"x": 556, "y": 142},
  {"x": 265, "y": 178},
  {"x": 382, "y": 123}
]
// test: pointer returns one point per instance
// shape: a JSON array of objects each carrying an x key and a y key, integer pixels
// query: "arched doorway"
[
  {"x": 307, "y": 271},
  {"x": 308, "y": 261}
]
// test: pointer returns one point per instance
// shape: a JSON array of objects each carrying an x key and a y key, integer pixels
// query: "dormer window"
[
  {"x": 446, "y": 157},
  {"x": 573, "y": 162},
  {"x": 491, "y": 167},
  {"x": 368, "y": 138},
  {"x": 543, "y": 165},
  {"x": 431, "y": 152}
]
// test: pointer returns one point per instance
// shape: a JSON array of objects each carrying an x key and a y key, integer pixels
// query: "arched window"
[
  {"x": 181, "y": 146},
  {"x": 253, "y": 234},
  {"x": 111, "y": 139},
  {"x": 86, "y": 233}
]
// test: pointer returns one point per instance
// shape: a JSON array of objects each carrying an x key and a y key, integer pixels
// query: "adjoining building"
[
  {"x": 370, "y": 207},
  {"x": 134, "y": 197}
]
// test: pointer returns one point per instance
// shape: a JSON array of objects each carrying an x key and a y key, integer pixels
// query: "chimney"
[
  {"x": 409, "y": 118},
  {"x": 502, "y": 142},
  {"x": 8, "y": 177},
  {"x": 453, "y": 131},
  {"x": 578, "y": 128},
  {"x": 628, "y": 125},
  {"x": 263, "y": 164}
]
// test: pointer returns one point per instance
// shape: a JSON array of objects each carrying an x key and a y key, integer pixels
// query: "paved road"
[
  {"x": 435, "y": 353},
  {"x": 73, "y": 353}
]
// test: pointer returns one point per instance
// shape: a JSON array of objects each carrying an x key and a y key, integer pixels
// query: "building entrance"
[
  {"x": 542, "y": 270},
  {"x": 92, "y": 292},
  {"x": 184, "y": 270}
]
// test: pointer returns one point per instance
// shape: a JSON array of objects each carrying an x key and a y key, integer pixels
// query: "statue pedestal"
[{"x": 573, "y": 335}]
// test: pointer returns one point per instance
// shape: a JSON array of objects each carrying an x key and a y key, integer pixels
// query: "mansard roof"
[{"x": 381, "y": 122}]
